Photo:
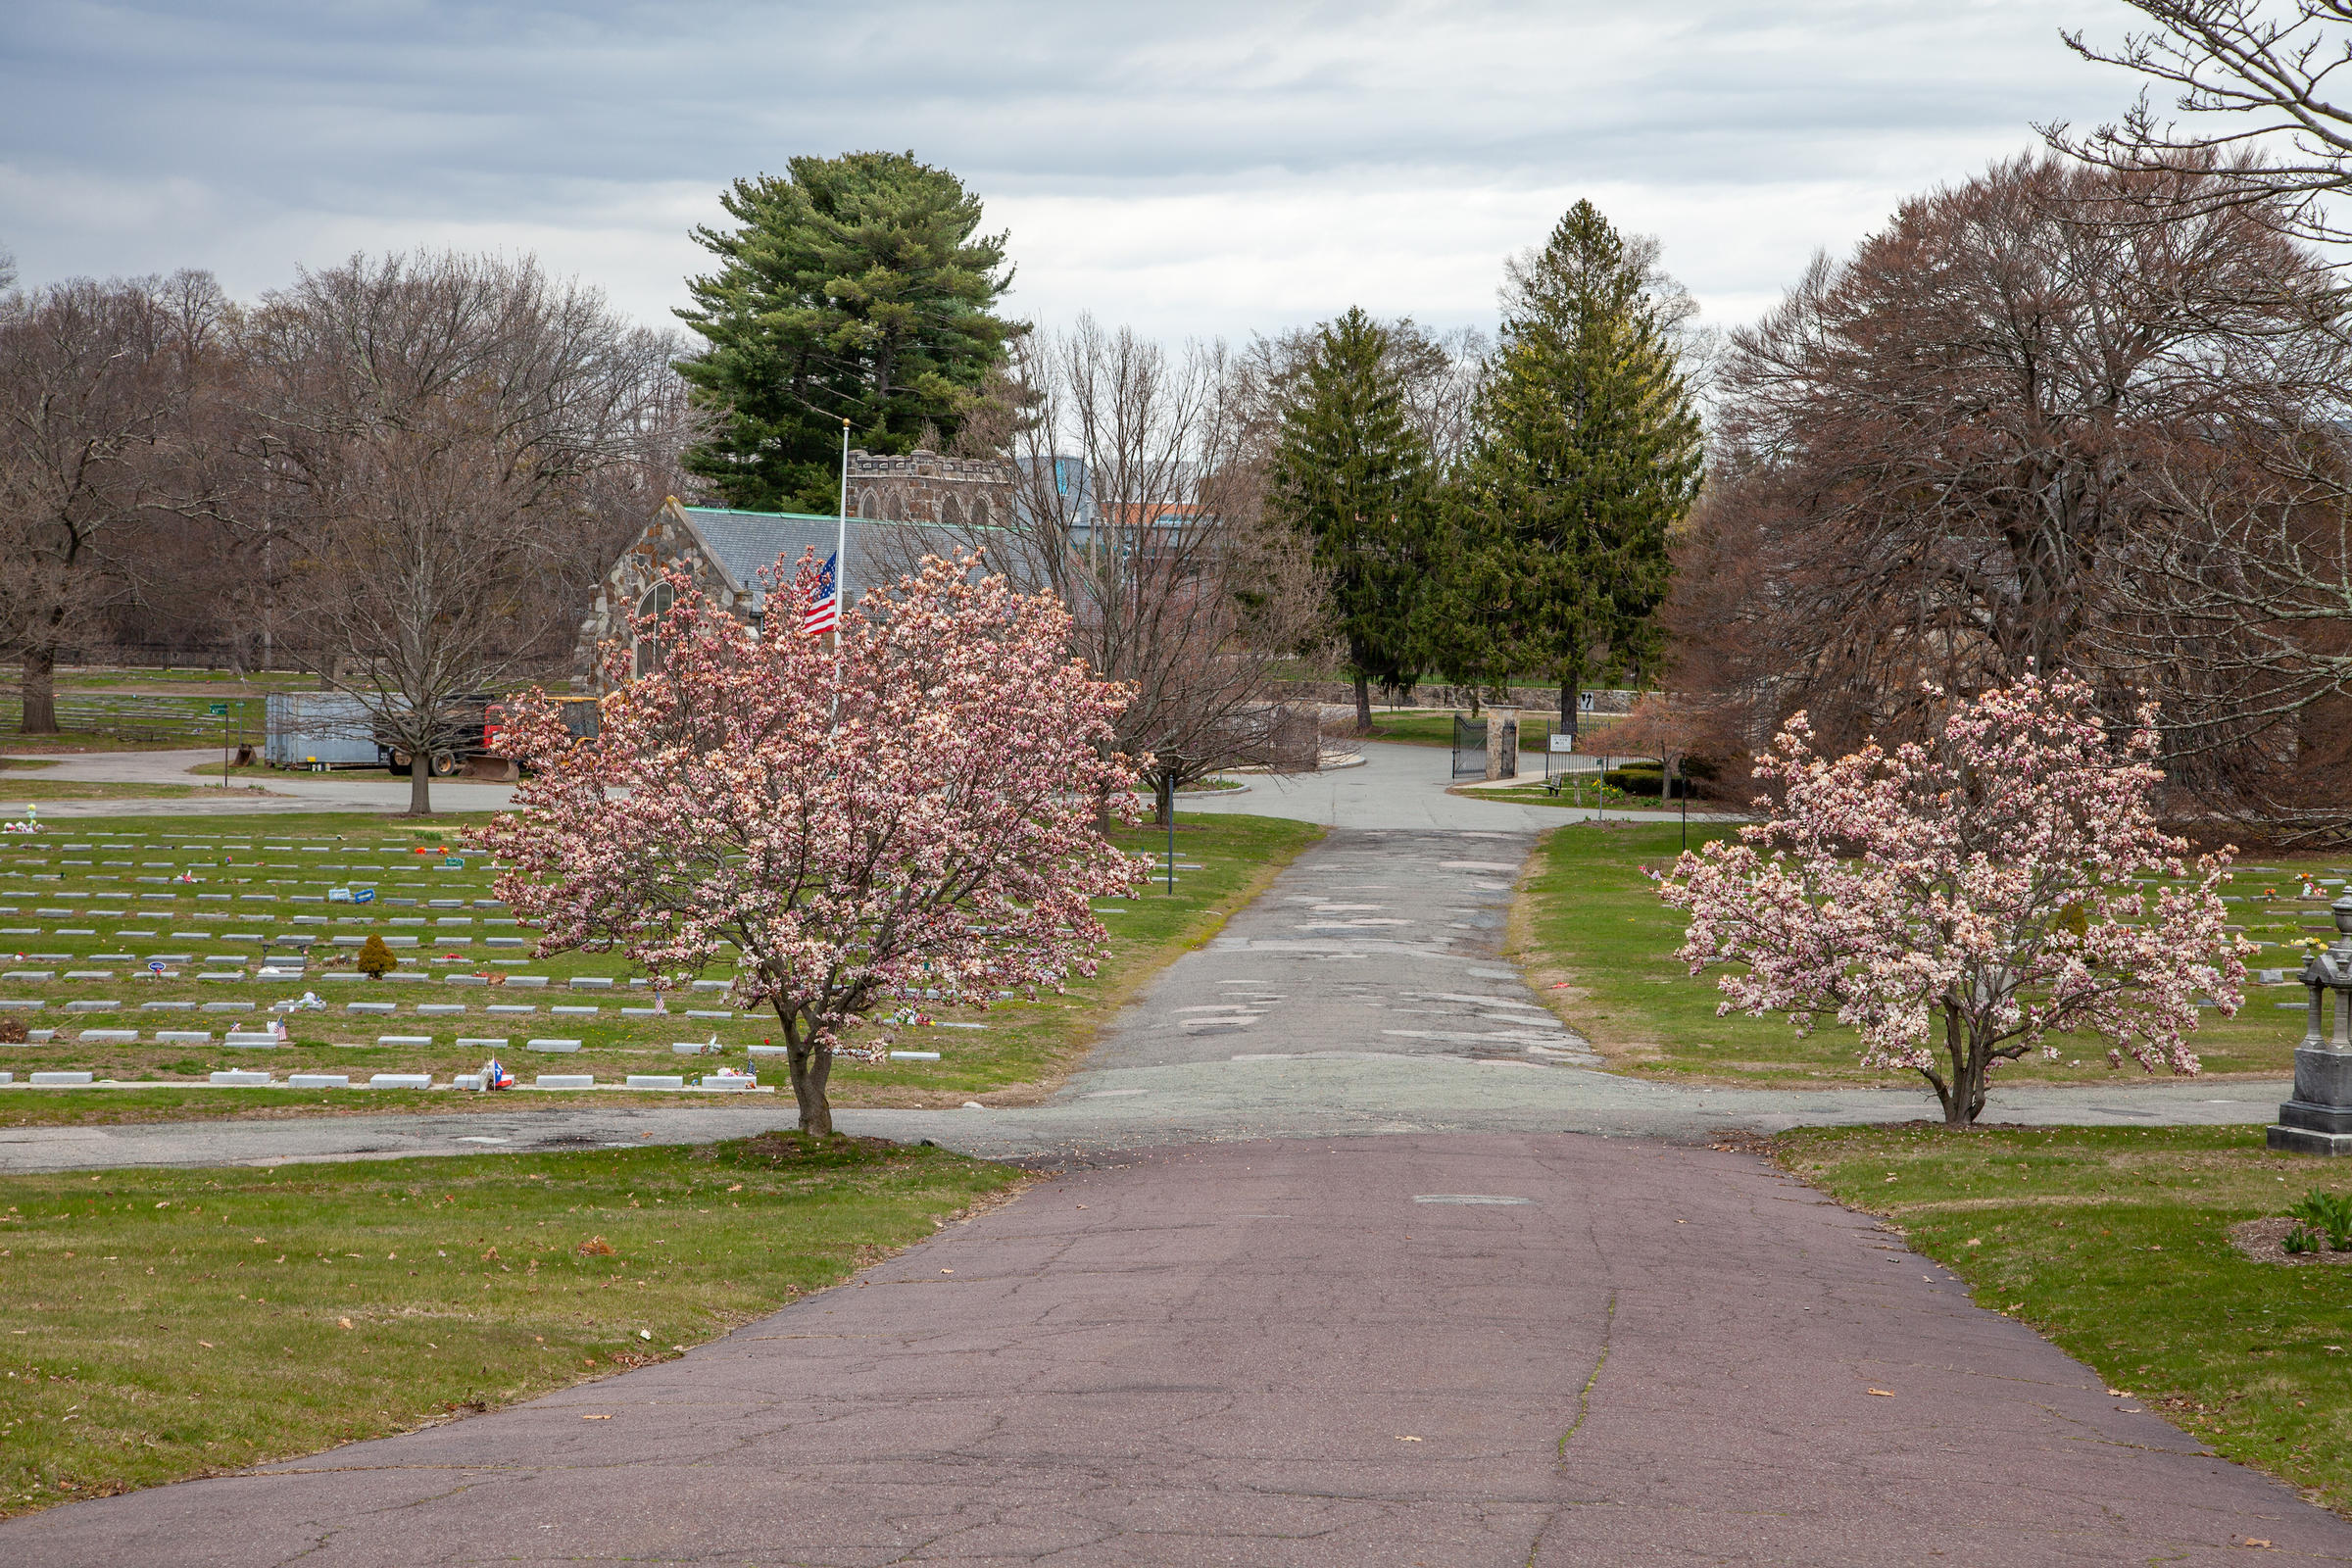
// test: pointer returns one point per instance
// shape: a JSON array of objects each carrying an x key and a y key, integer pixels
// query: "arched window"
[{"x": 656, "y": 601}]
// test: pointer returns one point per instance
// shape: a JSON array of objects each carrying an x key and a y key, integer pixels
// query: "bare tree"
[
  {"x": 1136, "y": 500},
  {"x": 427, "y": 430},
  {"x": 1940, "y": 450},
  {"x": 94, "y": 381},
  {"x": 2276, "y": 143}
]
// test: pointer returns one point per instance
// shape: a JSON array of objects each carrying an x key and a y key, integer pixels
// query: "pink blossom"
[
  {"x": 1959, "y": 902},
  {"x": 914, "y": 812}
]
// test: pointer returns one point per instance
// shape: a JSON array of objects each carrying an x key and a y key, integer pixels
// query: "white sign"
[{"x": 1563, "y": 743}]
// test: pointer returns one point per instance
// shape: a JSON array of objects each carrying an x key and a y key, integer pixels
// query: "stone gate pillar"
[{"x": 1502, "y": 743}]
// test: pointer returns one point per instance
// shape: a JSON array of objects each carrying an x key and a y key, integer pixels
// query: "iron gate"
[{"x": 1469, "y": 747}]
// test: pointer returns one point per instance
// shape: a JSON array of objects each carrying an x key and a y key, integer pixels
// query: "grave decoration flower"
[
  {"x": 914, "y": 807},
  {"x": 1960, "y": 901}
]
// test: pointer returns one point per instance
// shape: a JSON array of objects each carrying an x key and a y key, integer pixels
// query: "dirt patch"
[
  {"x": 780, "y": 1149},
  {"x": 2265, "y": 1241}
]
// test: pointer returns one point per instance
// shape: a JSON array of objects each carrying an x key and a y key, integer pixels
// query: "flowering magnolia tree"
[
  {"x": 1960, "y": 902},
  {"x": 912, "y": 812}
]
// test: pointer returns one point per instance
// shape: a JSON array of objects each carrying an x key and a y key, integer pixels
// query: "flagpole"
[
  {"x": 841, "y": 568},
  {"x": 841, "y": 541}
]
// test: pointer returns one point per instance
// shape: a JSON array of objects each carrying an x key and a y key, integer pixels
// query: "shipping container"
[{"x": 320, "y": 729}]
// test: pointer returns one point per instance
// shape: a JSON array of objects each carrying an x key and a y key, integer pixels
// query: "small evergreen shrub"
[{"x": 375, "y": 960}]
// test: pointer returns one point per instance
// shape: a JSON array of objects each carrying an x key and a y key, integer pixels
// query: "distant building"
[{"x": 900, "y": 509}]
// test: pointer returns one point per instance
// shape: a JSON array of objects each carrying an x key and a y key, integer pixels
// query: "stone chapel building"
[{"x": 900, "y": 507}]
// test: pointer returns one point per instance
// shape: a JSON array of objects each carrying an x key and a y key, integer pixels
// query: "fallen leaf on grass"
[
  {"x": 1883, "y": 1393},
  {"x": 343, "y": 1322},
  {"x": 207, "y": 1344}
]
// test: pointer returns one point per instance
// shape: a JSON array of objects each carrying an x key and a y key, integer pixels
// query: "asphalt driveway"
[{"x": 1404, "y": 1351}]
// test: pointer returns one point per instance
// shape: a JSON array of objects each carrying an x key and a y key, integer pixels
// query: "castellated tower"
[{"x": 926, "y": 488}]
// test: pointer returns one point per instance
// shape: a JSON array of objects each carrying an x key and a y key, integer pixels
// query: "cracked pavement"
[{"x": 1338, "y": 1256}]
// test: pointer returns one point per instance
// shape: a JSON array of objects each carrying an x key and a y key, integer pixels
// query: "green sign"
[{"x": 219, "y": 709}]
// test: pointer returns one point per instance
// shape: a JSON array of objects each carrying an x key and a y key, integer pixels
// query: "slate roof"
[{"x": 743, "y": 544}]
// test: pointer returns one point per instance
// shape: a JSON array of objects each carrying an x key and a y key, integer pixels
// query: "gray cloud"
[{"x": 1209, "y": 169}]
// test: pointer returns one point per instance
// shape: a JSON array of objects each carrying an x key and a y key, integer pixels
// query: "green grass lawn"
[
  {"x": 162, "y": 1324},
  {"x": 2110, "y": 1241},
  {"x": 262, "y": 774},
  {"x": 265, "y": 878},
  {"x": 16, "y": 792},
  {"x": 1583, "y": 789},
  {"x": 1599, "y": 945}
]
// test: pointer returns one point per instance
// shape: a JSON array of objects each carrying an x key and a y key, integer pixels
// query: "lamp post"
[
  {"x": 2319, "y": 1119},
  {"x": 1167, "y": 811}
]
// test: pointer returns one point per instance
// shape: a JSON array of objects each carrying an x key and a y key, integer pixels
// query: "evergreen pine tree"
[
  {"x": 1589, "y": 454},
  {"x": 854, "y": 288},
  {"x": 1352, "y": 473}
]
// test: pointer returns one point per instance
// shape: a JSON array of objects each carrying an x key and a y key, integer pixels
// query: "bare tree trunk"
[
  {"x": 1569, "y": 694},
  {"x": 809, "y": 1067},
  {"x": 40, "y": 693},
  {"x": 421, "y": 784},
  {"x": 1363, "y": 703}
]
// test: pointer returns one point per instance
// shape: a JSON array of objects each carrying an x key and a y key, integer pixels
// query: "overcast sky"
[{"x": 1193, "y": 169}]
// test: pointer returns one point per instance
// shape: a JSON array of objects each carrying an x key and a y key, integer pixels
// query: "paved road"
[
  {"x": 286, "y": 792},
  {"x": 1396, "y": 787},
  {"x": 1286, "y": 1354}
]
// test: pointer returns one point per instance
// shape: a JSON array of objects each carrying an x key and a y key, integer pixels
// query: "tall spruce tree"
[
  {"x": 1352, "y": 473},
  {"x": 1588, "y": 453},
  {"x": 854, "y": 288}
]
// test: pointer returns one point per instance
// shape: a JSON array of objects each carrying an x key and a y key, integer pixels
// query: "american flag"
[{"x": 824, "y": 611}]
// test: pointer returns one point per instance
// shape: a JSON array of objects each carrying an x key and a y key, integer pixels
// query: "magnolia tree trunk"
[
  {"x": 40, "y": 694},
  {"x": 809, "y": 1067},
  {"x": 1963, "y": 1097}
]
